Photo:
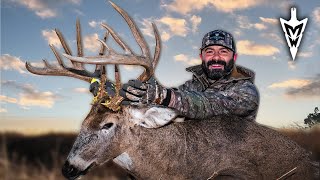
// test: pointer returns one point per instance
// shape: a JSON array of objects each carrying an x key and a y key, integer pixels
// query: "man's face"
[{"x": 217, "y": 61}]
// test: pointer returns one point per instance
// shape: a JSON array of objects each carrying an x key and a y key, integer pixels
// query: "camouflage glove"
[
  {"x": 150, "y": 92},
  {"x": 95, "y": 85}
]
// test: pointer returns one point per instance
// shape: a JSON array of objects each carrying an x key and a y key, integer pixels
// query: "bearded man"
[{"x": 218, "y": 86}]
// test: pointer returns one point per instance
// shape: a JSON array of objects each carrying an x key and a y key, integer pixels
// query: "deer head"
[{"x": 107, "y": 123}]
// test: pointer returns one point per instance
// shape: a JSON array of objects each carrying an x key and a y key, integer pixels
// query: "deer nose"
[{"x": 69, "y": 170}]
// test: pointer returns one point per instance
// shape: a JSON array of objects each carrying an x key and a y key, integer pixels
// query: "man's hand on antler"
[
  {"x": 95, "y": 86},
  {"x": 150, "y": 92}
]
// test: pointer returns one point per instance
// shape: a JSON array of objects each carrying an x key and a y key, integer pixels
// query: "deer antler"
[
  {"x": 77, "y": 70},
  {"x": 129, "y": 57}
]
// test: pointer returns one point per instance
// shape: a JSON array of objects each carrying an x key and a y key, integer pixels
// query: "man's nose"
[{"x": 216, "y": 56}]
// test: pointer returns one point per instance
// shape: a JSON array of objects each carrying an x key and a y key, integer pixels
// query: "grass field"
[{"x": 41, "y": 157}]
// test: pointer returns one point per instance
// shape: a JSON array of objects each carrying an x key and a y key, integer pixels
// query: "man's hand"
[
  {"x": 150, "y": 92},
  {"x": 95, "y": 85}
]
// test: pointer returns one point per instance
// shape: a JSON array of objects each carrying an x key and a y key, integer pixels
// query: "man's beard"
[{"x": 217, "y": 73}]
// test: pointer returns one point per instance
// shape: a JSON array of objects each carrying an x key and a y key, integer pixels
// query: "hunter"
[{"x": 218, "y": 86}]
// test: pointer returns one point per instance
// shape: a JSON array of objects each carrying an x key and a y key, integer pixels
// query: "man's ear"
[
  {"x": 235, "y": 56},
  {"x": 200, "y": 55}
]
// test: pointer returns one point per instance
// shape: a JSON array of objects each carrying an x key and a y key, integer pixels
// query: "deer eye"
[{"x": 107, "y": 126}]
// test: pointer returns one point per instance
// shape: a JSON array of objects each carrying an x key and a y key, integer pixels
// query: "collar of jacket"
[{"x": 238, "y": 73}]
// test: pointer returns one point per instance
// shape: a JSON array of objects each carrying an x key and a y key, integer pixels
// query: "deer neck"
[{"x": 147, "y": 152}]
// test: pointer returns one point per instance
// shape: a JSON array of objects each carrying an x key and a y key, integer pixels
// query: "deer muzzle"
[{"x": 71, "y": 172}]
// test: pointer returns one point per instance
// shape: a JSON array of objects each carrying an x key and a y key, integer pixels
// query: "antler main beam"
[{"x": 128, "y": 58}]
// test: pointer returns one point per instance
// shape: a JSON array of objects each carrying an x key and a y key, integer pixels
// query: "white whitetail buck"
[{"x": 217, "y": 148}]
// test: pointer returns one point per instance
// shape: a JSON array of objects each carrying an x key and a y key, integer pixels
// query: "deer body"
[
  {"x": 223, "y": 146},
  {"x": 194, "y": 149}
]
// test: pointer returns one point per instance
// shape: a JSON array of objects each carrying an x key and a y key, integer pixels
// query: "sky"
[{"x": 289, "y": 90}]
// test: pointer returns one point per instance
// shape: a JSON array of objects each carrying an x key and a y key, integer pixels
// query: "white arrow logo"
[{"x": 293, "y": 30}]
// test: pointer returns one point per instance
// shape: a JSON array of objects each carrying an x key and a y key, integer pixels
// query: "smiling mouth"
[{"x": 216, "y": 66}]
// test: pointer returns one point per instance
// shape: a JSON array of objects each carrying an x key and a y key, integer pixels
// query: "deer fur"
[{"x": 221, "y": 147}]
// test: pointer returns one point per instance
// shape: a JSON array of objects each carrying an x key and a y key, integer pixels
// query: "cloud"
[
  {"x": 269, "y": 20},
  {"x": 90, "y": 42},
  {"x": 316, "y": 15},
  {"x": 244, "y": 22},
  {"x": 292, "y": 83},
  {"x": 81, "y": 90},
  {"x": 78, "y": 12},
  {"x": 273, "y": 36},
  {"x": 176, "y": 26},
  {"x": 148, "y": 30},
  {"x": 3, "y": 110},
  {"x": 250, "y": 48},
  {"x": 44, "y": 8},
  {"x": 8, "y": 99},
  {"x": 29, "y": 96},
  {"x": 305, "y": 54},
  {"x": 291, "y": 65},
  {"x": 8, "y": 62},
  {"x": 260, "y": 26},
  {"x": 187, "y": 6},
  {"x": 51, "y": 37},
  {"x": 309, "y": 90},
  {"x": 93, "y": 23},
  {"x": 195, "y": 21},
  {"x": 187, "y": 60},
  {"x": 169, "y": 26}
]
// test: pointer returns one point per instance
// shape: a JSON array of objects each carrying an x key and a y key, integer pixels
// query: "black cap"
[{"x": 218, "y": 37}]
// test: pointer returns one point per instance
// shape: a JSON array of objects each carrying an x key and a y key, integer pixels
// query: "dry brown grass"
[
  {"x": 307, "y": 138},
  {"x": 39, "y": 158}
]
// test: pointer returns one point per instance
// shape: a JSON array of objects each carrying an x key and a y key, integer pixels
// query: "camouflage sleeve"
[
  {"x": 242, "y": 99},
  {"x": 190, "y": 85}
]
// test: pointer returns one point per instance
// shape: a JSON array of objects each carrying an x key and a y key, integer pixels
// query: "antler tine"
[
  {"x": 57, "y": 55},
  {"x": 103, "y": 48},
  {"x": 117, "y": 99},
  {"x": 135, "y": 31},
  {"x": 144, "y": 76},
  {"x": 101, "y": 53},
  {"x": 117, "y": 78},
  {"x": 80, "y": 71},
  {"x": 79, "y": 40},
  {"x": 46, "y": 63},
  {"x": 63, "y": 42},
  {"x": 55, "y": 71},
  {"x": 157, "y": 48},
  {"x": 103, "y": 81},
  {"x": 117, "y": 38},
  {"x": 66, "y": 46}
]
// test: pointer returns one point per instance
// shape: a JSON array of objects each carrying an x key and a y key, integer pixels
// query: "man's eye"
[{"x": 209, "y": 52}]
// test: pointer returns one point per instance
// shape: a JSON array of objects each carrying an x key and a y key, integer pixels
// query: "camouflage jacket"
[{"x": 202, "y": 98}]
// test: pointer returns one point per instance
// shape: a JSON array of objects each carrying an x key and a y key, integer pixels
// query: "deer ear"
[{"x": 153, "y": 117}]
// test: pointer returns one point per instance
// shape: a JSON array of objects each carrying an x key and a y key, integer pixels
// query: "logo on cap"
[{"x": 218, "y": 37}]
